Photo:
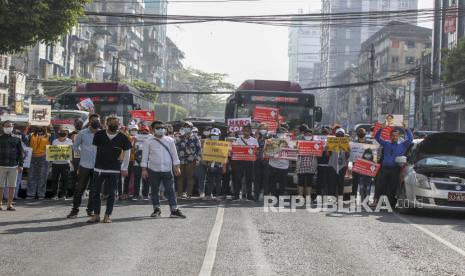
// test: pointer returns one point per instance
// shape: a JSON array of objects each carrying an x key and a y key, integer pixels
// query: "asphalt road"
[{"x": 228, "y": 238}]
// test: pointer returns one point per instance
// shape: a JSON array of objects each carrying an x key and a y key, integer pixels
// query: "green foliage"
[
  {"x": 26, "y": 22},
  {"x": 177, "y": 112},
  {"x": 145, "y": 87},
  {"x": 55, "y": 85},
  {"x": 453, "y": 62}
]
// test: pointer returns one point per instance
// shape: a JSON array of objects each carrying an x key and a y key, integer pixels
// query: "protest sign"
[
  {"x": 273, "y": 147},
  {"x": 395, "y": 120},
  {"x": 59, "y": 153},
  {"x": 143, "y": 115},
  {"x": 288, "y": 154},
  {"x": 27, "y": 157},
  {"x": 323, "y": 138},
  {"x": 215, "y": 151},
  {"x": 386, "y": 132},
  {"x": 314, "y": 148},
  {"x": 366, "y": 167},
  {"x": 235, "y": 125},
  {"x": 357, "y": 150},
  {"x": 268, "y": 115},
  {"x": 338, "y": 143},
  {"x": 39, "y": 115},
  {"x": 245, "y": 153},
  {"x": 86, "y": 104}
]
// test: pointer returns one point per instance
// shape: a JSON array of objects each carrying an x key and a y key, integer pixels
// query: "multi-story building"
[
  {"x": 448, "y": 30},
  {"x": 304, "y": 53},
  {"x": 4, "y": 74}
]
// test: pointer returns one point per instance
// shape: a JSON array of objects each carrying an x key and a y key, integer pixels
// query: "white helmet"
[
  {"x": 215, "y": 131},
  {"x": 194, "y": 129}
]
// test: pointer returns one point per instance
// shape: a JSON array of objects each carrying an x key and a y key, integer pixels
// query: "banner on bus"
[
  {"x": 244, "y": 153},
  {"x": 215, "y": 151},
  {"x": 59, "y": 153},
  {"x": 313, "y": 148},
  {"x": 366, "y": 167},
  {"x": 235, "y": 125},
  {"x": 143, "y": 115},
  {"x": 39, "y": 115},
  {"x": 338, "y": 143}
]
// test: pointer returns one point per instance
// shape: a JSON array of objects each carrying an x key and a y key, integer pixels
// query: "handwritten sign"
[
  {"x": 366, "y": 167},
  {"x": 59, "y": 153},
  {"x": 313, "y": 148},
  {"x": 215, "y": 151},
  {"x": 236, "y": 125},
  {"x": 244, "y": 153},
  {"x": 338, "y": 143},
  {"x": 39, "y": 115}
]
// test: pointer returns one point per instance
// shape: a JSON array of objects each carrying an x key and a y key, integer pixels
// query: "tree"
[
  {"x": 146, "y": 88},
  {"x": 26, "y": 23},
  {"x": 195, "y": 80},
  {"x": 454, "y": 67}
]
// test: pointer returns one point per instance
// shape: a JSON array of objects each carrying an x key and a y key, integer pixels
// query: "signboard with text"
[
  {"x": 244, "y": 153},
  {"x": 366, "y": 167},
  {"x": 215, "y": 151},
  {"x": 39, "y": 115},
  {"x": 313, "y": 148},
  {"x": 235, "y": 125},
  {"x": 143, "y": 115}
]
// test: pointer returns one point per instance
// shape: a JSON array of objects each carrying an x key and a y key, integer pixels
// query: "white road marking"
[
  {"x": 434, "y": 236},
  {"x": 212, "y": 245}
]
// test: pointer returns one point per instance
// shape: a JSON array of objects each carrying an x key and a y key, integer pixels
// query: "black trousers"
[
  {"x": 355, "y": 180},
  {"x": 336, "y": 182},
  {"x": 241, "y": 169},
  {"x": 137, "y": 182},
  {"x": 60, "y": 177},
  {"x": 278, "y": 180},
  {"x": 322, "y": 180},
  {"x": 73, "y": 177},
  {"x": 84, "y": 180},
  {"x": 387, "y": 184},
  {"x": 262, "y": 178}
]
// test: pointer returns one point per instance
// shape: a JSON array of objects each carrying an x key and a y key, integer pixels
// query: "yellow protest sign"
[
  {"x": 215, "y": 151},
  {"x": 338, "y": 143},
  {"x": 59, "y": 153}
]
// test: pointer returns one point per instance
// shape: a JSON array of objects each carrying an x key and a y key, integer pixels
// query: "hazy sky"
[{"x": 243, "y": 51}]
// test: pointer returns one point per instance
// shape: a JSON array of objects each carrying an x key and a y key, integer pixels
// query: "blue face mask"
[{"x": 160, "y": 132}]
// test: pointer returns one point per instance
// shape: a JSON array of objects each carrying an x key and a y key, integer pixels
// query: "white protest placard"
[
  {"x": 395, "y": 120},
  {"x": 27, "y": 157},
  {"x": 39, "y": 115},
  {"x": 235, "y": 125},
  {"x": 323, "y": 138},
  {"x": 86, "y": 104},
  {"x": 357, "y": 150}
]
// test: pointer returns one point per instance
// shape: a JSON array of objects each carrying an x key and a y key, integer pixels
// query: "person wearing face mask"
[
  {"x": 123, "y": 185},
  {"x": 306, "y": 167},
  {"x": 38, "y": 170},
  {"x": 201, "y": 169},
  {"x": 338, "y": 163},
  {"x": 214, "y": 172},
  {"x": 361, "y": 138},
  {"x": 110, "y": 144},
  {"x": 170, "y": 130},
  {"x": 60, "y": 169},
  {"x": 244, "y": 168},
  {"x": 85, "y": 149},
  {"x": 261, "y": 165},
  {"x": 159, "y": 161},
  {"x": 141, "y": 138},
  {"x": 189, "y": 152},
  {"x": 279, "y": 168},
  {"x": 11, "y": 163},
  {"x": 364, "y": 181}
]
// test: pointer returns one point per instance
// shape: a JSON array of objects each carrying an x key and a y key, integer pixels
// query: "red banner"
[
  {"x": 143, "y": 115},
  {"x": 366, "y": 167},
  {"x": 386, "y": 134},
  {"x": 314, "y": 148},
  {"x": 268, "y": 115},
  {"x": 244, "y": 153}
]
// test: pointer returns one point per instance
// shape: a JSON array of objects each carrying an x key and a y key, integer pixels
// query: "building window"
[
  {"x": 409, "y": 60},
  {"x": 6, "y": 63},
  {"x": 410, "y": 44},
  {"x": 395, "y": 59}
]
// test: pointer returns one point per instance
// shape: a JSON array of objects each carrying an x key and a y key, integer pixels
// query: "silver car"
[{"x": 433, "y": 174}]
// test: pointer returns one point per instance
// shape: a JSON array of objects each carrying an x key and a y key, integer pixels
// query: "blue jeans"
[
  {"x": 155, "y": 178},
  {"x": 37, "y": 179},
  {"x": 111, "y": 181}
]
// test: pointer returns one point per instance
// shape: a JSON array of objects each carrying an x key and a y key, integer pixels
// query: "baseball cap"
[{"x": 215, "y": 131}]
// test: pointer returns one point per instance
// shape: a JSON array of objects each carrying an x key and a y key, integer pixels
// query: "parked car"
[{"x": 433, "y": 174}]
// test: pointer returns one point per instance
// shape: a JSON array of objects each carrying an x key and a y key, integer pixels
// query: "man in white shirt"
[
  {"x": 159, "y": 159},
  {"x": 278, "y": 169},
  {"x": 244, "y": 167}
]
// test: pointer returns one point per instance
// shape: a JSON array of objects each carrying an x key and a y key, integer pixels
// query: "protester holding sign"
[
  {"x": 38, "y": 171},
  {"x": 278, "y": 169},
  {"x": 11, "y": 163},
  {"x": 141, "y": 139},
  {"x": 338, "y": 163},
  {"x": 262, "y": 168},
  {"x": 60, "y": 169},
  {"x": 365, "y": 181},
  {"x": 306, "y": 167},
  {"x": 242, "y": 167},
  {"x": 215, "y": 170},
  {"x": 361, "y": 139}
]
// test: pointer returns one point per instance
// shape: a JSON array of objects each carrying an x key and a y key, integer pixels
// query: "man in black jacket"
[{"x": 11, "y": 162}]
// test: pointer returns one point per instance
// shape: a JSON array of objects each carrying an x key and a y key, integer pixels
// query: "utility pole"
[
  {"x": 113, "y": 69},
  {"x": 371, "y": 87},
  {"x": 420, "y": 98}
]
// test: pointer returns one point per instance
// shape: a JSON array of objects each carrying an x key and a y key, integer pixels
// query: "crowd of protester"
[{"x": 152, "y": 162}]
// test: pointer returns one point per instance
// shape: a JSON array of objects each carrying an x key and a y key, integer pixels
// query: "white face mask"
[
  {"x": 263, "y": 131},
  {"x": 187, "y": 130},
  {"x": 133, "y": 132},
  {"x": 7, "y": 130},
  {"x": 280, "y": 135},
  {"x": 215, "y": 137},
  {"x": 160, "y": 132},
  {"x": 308, "y": 138}
]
